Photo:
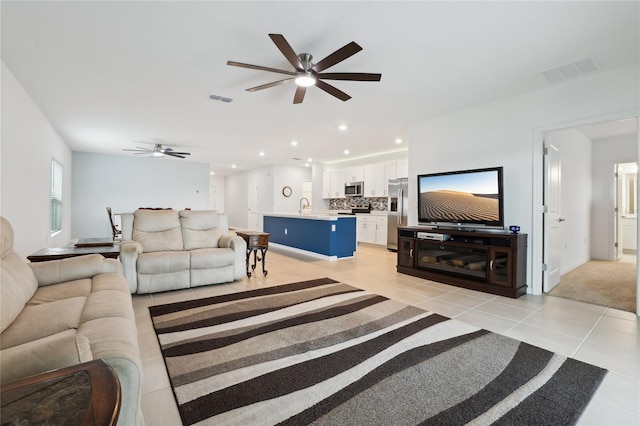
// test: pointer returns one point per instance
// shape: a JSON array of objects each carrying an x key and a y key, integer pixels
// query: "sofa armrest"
[
  {"x": 73, "y": 268},
  {"x": 227, "y": 239},
  {"x": 239, "y": 246},
  {"x": 129, "y": 251}
]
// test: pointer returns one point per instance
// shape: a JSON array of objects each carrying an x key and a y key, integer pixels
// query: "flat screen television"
[{"x": 464, "y": 198}]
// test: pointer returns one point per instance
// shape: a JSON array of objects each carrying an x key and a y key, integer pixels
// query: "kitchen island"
[{"x": 328, "y": 235}]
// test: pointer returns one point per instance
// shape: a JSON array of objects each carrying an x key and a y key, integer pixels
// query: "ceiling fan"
[
  {"x": 158, "y": 151},
  {"x": 308, "y": 74}
]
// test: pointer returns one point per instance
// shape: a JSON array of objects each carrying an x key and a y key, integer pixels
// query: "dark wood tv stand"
[{"x": 493, "y": 262}]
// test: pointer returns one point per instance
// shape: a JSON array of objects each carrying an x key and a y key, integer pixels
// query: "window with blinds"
[{"x": 56, "y": 197}]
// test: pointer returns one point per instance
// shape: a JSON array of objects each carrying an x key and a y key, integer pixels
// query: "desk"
[
  {"x": 255, "y": 241},
  {"x": 54, "y": 253},
  {"x": 84, "y": 394}
]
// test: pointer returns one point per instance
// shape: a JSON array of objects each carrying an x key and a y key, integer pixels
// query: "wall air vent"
[
  {"x": 220, "y": 98},
  {"x": 572, "y": 70}
]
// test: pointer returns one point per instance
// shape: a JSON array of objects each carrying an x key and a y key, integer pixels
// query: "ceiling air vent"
[
  {"x": 220, "y": 98},
  {"x": 575, "y": 69}
]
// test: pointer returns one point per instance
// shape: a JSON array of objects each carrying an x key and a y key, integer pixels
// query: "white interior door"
[
  {"x": 619, "y": 209},
  {"x": 552, "y": 220},
  {"x": 252, "y": 202}
]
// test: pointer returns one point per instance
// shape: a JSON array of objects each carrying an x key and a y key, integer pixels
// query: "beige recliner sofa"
[
  {"x": 169, "y": 250},
  {"x": 61, "y": 313}
]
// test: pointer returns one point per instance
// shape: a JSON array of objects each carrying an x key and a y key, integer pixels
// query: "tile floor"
[{"x": 598, "y": 335}]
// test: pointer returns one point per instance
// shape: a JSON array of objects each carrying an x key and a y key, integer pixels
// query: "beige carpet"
[{"x": 611, "y": 284}]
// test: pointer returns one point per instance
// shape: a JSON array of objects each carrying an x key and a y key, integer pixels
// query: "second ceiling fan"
[{"x": 308, "y": 74}]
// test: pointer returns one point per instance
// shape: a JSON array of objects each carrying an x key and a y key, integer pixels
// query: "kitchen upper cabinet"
[
  {"x": 333, "y": 184},
  {"x": 354, "y": 174},
  {"x": 337, "y": 184},
  {"x": 374, "y": 181},
  {"x": 326, "y": 184},
  {"x": 402, "y": 169}
]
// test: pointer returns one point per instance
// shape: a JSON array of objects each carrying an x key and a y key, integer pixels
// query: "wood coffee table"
[{"x": 84, "y": 394}]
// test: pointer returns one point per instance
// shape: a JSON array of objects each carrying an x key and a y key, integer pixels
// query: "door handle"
[
  {"x": 411, "y": 253},
  {"x": 561, "y": 220}
]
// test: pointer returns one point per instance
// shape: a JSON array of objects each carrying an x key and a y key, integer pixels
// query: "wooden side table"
[
  {"x": 83, "y": 394},
  {"x": 255, "y": 241}
]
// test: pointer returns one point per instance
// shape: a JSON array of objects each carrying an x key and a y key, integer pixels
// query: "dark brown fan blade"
[
  {"x": 299, "y": 96},
  {"x": 259, "y": 68},
  {"x": 175, "y": 154},
  {"x": 178, "y": 153},
  {"x": 337, "y": 56},
  {"x": 354, "y": 76},
  {"x": 287, "y": 51},
  {"x": 332, "y": 90},
  {"x": 266, "y": 86}
]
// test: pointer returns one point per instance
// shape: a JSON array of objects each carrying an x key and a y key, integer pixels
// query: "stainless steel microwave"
[{"x": 354, "y": 189}]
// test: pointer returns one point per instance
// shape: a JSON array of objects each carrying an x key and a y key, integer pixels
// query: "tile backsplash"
[{"x": 377, "y": 203}]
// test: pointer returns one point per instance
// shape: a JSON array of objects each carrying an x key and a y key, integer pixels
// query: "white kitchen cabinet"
[
  {"x": 402, "y": 169},
  {"x": 326, "y": 184},
  {"x": 371, "y": 229},
  {"x": 381, "y": 230},
  {"x": 354, "y": 174},
  {"x": 337, "y": 183},
  {"x": 333, "y": 184},
  {"x": 374, "y": 181}
]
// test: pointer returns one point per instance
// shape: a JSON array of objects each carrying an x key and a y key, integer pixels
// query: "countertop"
[{"x": 326, "y": 214}]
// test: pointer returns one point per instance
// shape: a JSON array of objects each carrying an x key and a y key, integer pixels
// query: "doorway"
[{"x": 582, "y": 221}]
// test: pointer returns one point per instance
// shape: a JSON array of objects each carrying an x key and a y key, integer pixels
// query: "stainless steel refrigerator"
[{"x": 397, "y": 205}]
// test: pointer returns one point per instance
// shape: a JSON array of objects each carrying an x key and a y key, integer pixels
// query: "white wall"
[
  {"x": 28, "y": 144},
  {"x": 235, "y": 194},
  {"x": 606, "y": 154},
  {"x": 293, "y": 177},
  {"x": 502, "y": 133},
  {"x": 216, "y": 193},
  {"x": 125, "y": 183},
  {"x": 575, "y": 196}
]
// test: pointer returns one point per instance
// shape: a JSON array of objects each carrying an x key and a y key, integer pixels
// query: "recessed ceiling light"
[
  {"x": 398, "y": 141},
  {"x": 342, "y": 127},
  {"x": 346, "y": 152},
  {"x": 309, "y": 160},
  {"x": 306, "y": 164},
  {"x": 261, "y": 154},
  {"x": 294, "y": 143},
  {"x": 211, "y": 173},
  {"x": 233, "y": 166}
]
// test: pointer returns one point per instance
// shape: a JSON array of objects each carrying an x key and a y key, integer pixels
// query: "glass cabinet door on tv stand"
[
  {"x": 406, "y": 252},
  {"x": 470, "y": 262}
]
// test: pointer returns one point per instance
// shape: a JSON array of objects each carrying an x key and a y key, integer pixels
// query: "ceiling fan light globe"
[
  {"x": 305, "y": 80},
  {"x": 157, "y": 154}
]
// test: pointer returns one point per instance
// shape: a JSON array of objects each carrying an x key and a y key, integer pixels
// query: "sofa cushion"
[
  {"x": 39, "y": 321},
  {"x": 212, "y": 258},
  {"x": 201, "y": 228},
  {"x": 52, "y": 352},
  {"x": 162, "y": 262},
  {"x": 67, "y": 290},
  {"x": 158, "y": 230}
]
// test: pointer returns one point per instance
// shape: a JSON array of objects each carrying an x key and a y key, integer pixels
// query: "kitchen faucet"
[{"x": 303, "y": 205}]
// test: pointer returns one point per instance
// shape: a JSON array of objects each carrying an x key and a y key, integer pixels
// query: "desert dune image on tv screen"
[{"x": 456, "y": 198}]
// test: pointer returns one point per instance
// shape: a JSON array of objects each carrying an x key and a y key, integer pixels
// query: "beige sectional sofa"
[
  {"x": 168, "y": 250},
  {"x": 64, "y": 312}
]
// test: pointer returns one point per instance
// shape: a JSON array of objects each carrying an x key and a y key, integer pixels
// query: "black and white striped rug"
[{"x": 322, "y": 352}]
